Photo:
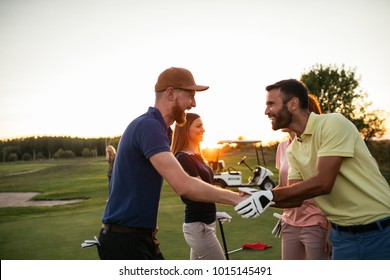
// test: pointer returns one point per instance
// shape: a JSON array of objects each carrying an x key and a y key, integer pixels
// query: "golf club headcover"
[
  {"x": 254, "y": 205},
  {"x": 223, "y": 217},
  {"x": 89, "y": 243}
]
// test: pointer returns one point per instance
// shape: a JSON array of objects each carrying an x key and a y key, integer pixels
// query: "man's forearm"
[
  {"x": 298, "y": 192},
  {"x": 291, "y": 204}
]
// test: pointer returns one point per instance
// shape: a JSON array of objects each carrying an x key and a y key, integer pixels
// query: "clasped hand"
[{"x": 255, "y": 204}]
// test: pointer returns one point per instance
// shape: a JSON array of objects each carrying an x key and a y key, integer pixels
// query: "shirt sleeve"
[
  {"x": 152, "y": 138},
  {"x": 336, "y": 137}
]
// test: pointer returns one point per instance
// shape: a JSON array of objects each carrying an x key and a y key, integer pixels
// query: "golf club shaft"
[{"x": 223, "y": 239}]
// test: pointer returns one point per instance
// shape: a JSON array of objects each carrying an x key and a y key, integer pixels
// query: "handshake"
[{"x": 255, "y": 204}]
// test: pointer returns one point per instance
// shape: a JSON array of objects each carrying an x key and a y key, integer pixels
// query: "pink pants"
[
  {"x": 304, "y": 243},
  {"x": 203, "y": 241}
]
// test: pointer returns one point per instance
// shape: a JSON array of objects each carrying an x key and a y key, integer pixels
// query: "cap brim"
[{"x": 195, "y": 87}]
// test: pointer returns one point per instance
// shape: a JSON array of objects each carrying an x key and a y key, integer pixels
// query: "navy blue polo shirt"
[{"x": 135, "y": 183}]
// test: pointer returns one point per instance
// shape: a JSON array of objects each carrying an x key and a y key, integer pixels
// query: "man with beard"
[
  {"x": 143, "y": 160},
  {"x": 328, "y": 161}
]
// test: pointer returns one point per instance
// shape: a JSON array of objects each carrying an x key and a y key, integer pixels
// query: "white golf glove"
[
  {"x": 223, "y": 217},
  {"x": 254, "y": 205}
]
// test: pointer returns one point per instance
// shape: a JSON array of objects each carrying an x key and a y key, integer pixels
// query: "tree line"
[{"x": 49, "y": 147}]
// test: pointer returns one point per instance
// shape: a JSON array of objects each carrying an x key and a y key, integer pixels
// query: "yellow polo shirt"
[{"x": 360, "y": 194}]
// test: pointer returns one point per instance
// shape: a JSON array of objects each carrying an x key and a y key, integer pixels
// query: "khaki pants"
[
  {"x": 303, "y": 243},
  {"x": 203, "y": 241}
]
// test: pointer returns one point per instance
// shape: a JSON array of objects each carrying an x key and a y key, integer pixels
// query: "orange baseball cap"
[{"x": 177, "y": 78}]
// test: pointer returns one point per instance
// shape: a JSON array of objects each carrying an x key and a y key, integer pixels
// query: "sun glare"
[{"x": 210, "y": 145}]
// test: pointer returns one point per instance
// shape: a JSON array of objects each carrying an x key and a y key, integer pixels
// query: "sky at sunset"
[{"x": 88, "y": 67}]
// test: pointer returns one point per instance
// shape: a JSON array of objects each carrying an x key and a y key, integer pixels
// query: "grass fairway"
[{"x": 56, "y": 232}]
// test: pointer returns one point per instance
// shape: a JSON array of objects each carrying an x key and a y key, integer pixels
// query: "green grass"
[{"x": 56, "y": 232}]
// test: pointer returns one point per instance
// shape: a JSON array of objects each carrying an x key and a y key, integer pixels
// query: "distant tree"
[
  {"x": 9, "y": 152},
  {"x": 373, "y": 124},
  {"x": 64, "y": 154},
  {"x": 86, "y": 152},
  {"x": 39, "y": 156},
  {"x": 26, "y": 157},
  {"x": 338, "y": 91},
  {"x": 13, "y": 157}
]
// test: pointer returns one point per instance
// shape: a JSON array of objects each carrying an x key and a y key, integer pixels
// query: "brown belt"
[{"x": 124, "y": 229}]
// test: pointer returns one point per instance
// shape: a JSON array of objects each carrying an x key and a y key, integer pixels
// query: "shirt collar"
[
  {"x": 157, "y": 114},
  {"x": 311, "y": 124}
]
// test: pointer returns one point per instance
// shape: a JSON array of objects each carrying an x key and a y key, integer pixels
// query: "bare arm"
[
  {"x": 320, "y": 184},
  {"x": 289, "y": 204},
  {"x": 190, "y": 187}
]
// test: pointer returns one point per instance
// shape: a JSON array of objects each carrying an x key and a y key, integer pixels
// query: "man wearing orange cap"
[{"x": 143, "y": 160}]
